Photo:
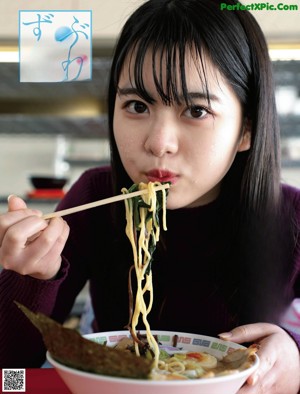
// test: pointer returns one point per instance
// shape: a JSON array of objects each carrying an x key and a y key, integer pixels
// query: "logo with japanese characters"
[{"x": 55, "y": 46}]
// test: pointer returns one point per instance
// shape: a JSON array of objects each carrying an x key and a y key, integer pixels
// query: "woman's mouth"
[{"x": 158, "y": 175}]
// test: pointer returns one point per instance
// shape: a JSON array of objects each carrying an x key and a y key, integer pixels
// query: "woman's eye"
[
  {"x": 136, "y": 107},
  {"x": 196, "y": 112}
]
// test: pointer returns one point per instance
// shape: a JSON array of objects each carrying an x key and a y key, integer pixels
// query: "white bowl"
[{"x": 80, "y": 382}]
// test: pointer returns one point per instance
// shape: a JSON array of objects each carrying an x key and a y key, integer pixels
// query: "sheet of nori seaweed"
[{"x": 71, "y": 349}]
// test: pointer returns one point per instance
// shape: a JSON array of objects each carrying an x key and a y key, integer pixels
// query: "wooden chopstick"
[{"x": 94, "y": 204}]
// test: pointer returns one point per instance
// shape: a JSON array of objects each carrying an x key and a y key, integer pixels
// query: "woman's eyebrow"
[
  {"x": 128, "y": 91},
  {"x": 202, "y": 96},
  {"x": 133, "y": 91}
]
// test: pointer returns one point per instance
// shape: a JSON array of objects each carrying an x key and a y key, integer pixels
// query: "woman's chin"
[{"x": 174, "y": 202}]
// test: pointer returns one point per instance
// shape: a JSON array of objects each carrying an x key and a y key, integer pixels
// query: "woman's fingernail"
[
  {"x": 225, "y": 335},
  {"x": 10, "y": 196},
  {"x": 254, "y": 380}
]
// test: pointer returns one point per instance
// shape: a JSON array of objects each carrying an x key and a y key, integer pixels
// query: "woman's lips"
[{"x": 158, "y": 175}]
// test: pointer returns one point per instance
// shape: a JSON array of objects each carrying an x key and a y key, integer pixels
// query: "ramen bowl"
[{"x": 80, "y": 382}]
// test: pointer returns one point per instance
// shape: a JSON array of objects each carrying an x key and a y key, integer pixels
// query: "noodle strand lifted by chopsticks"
[{"x": 143, "y": 231}]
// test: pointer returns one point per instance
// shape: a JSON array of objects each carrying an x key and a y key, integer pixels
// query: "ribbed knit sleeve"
[
  {"x": 296, "y": 338},
  {"x": 296, "y": 204},
  {"x": 18, "y": 337},
  {"x": 290, "y": 322},
  {"x": 21, "y": 345},
  {"x": 296, "y": 275}
]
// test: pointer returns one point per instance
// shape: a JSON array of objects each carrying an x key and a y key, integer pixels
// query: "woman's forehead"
[{"x": 159, "y": 68}]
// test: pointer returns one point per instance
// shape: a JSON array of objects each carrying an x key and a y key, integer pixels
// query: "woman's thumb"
[{"x": 15, "y": 203}]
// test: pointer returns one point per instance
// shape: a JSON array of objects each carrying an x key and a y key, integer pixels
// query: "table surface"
[{"x": 43, "y": 381}]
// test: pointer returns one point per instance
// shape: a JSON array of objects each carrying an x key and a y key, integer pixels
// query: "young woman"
[{"x": 191, "y": 101}]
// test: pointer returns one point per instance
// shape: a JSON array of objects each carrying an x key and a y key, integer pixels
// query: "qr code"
[{"x": 13, "y": 380}]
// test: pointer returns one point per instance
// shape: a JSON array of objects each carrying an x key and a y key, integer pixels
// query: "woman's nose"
[{"x": 162, "y": 139}]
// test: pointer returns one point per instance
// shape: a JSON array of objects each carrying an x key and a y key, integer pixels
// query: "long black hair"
[{"x": 257, "y": 250}]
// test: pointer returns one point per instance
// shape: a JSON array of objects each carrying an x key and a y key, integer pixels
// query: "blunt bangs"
[{"x": 168, "y": 57}]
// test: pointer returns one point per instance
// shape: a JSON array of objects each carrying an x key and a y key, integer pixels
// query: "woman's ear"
[{"x": 245, "y": 142}]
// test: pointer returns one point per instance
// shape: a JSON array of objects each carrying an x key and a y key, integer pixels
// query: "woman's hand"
[
  {"x": 29, "y": 244},
  {"x": 279, "y": 369}
]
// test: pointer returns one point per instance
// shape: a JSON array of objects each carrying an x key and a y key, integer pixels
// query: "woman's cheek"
[{"x": 126, "y": 149}]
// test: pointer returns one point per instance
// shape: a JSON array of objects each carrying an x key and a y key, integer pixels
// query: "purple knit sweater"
[{"x": 187, "y": 296}]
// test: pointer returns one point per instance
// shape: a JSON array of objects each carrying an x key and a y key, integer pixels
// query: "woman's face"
[{"x": 192, "y": 146}]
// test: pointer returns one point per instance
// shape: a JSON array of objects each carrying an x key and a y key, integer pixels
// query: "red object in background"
[
  {"x": 46, "y": 194},
  {"x": 43, "y": 381}
]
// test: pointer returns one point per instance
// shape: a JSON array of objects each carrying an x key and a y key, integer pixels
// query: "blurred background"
[{"x": 60, "y": 129}]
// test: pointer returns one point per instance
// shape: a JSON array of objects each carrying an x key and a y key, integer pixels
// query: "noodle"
[
  {"x": 143, "y": 231},
  {"x": 177, "y": 363}
]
